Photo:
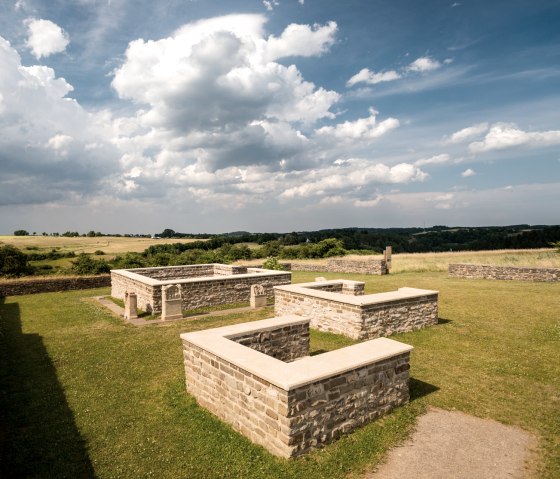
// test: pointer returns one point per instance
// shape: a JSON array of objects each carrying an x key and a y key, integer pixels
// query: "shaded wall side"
[
  {"x": 144, "y": 292},
  {"x": 324, "y": 410},
  {"x": 229, "y": 289},
  {"x": 286, "y": 343}
]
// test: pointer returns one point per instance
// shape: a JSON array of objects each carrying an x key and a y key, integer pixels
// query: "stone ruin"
[
  {"x": 199, "y": 285},
  {"x": 258, "y": 296},
  {"x": 340, "y": 306},
  {"x": 259, "y": 378}
]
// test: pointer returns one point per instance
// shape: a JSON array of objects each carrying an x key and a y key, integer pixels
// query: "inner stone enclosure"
[
  {"x": 259, "y": 377},
  {"x": 340, "y": 307},
  {"x": 200, "y": 285}
]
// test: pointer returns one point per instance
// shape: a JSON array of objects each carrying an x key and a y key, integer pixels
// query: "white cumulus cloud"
[
  {"x": 45, "y": 38},
  {"x": 468, "y": 172},
  {"x": 508, "y": 135},
  {"x": 467, "y": 133},
  {"x": 363, "y": 128},
  {"x": 433, "y": 160},
  {"x": 371, "y": 78},
  {"x": 424, "y": 64}
]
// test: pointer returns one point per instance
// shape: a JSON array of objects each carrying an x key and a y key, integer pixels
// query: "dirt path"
[{"x": 454, "y": 445}]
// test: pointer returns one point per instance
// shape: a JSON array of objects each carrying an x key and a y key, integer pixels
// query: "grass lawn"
[{"x": 85, "y": 395}]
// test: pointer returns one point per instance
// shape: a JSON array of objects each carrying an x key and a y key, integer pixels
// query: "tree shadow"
[
  {"x": 38, "y": 433},
  {"x": 419, "y": 389}
]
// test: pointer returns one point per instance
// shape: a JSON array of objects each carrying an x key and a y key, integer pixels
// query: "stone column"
[{"x": 387, "y": 256}]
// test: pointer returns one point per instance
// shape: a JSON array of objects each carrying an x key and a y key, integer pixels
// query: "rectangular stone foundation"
[
  {"x": 487, "y": 271},
  {"x": 340, "y": 307},
  {"x": 201, "y": 285},
  {"x": 259, "y": 378}
]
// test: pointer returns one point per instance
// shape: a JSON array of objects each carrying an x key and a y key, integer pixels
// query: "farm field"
[
  {"x": 86, "y": 395},
  {"x": 110, "y": 245}
]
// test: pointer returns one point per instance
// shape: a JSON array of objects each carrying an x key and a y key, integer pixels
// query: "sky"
[{"x": 211, "y": 116}]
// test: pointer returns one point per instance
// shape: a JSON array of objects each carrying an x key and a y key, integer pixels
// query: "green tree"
[
  {"x": 13, "y": 262},
  {"x": 85, "y": 264},
  {"x": 21, "y": 233}
]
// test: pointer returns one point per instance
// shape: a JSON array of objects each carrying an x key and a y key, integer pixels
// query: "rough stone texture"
[
  {"x": 48, "y": 285},
  {"x": 359, "y": 317},
  {"x": 482, "y": 271},
  {"x": 287, "y": 343},
  {"x": 370, "y": 266},
  {"x": 290, "y": 408},
  {"x": 201, "y": 285}
]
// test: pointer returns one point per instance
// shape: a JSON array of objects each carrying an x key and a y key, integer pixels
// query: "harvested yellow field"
[{"x": 110, "y": 245}]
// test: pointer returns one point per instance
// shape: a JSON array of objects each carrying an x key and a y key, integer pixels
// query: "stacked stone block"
[
  {"x": 291, "y": 408},
  {"x": 480, "y": 271},
  {"x": 49, "y": 285},
  {"x": 370, "y": 266},
  {"x": 359, "y": 317}
]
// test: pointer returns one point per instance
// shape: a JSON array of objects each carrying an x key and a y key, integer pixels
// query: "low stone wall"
[
  {"x": 358, "y": 316},
  {"x": 222, "y": 284},
  {"x": 292, "y": 407},
  {"x": 483, "y": 271},
  {"x": 370, "y": 266},
  {"x": 52, "y": 284}
]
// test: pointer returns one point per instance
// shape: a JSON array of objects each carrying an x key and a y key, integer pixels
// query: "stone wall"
[
  {"x": 217, "y": 287},
  {"x": 291, "y": 408},
  {"x": 52, "y": 284},
  {"x": 480, "y": 271},
  {"x": 358, "y": 317},
  {"x": 370, "y": 266}
]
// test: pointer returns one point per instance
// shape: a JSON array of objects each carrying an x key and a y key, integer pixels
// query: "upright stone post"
[
  {"x": 258, "y": 296},
  {"x": 130, "y": 306},
  {"x": 171, "y": 302},
  {"x": 387, "y": 256}
]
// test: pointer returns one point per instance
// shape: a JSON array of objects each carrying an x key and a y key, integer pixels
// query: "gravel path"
[{"x": 450, "y": 444}]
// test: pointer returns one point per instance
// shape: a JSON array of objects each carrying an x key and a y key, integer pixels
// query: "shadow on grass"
[
  {"x": 38, "y": 434},
  {"x": 444, "y": 321},
  {"x": 318, "y": 351},
  {"x": 419, "y": 389}
]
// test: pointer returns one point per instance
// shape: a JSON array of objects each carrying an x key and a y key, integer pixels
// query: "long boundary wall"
[
  {"x": 52, "y": 284},
  {"x": 292, "y": 407},
  {"x": 221, "y": 284},
  {"x": 360, "y": 316},
  {"x": 370, "y": 266},
  {"x": 483, "y": 271}
]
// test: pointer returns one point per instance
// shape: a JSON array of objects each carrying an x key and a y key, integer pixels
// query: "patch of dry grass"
[{"x": 111, "y": 245}]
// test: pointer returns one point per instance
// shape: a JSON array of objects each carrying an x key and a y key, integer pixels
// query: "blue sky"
[{"x": 213, "y": 116}]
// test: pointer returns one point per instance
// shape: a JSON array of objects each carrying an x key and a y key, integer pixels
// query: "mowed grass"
[{"x": 85, "y": 395}]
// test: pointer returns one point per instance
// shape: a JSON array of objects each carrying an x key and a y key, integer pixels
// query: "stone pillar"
[
  {"x": 171, "y": 302},
  {"x": 387, "y": 256},
  {"x": 130, "y": 306},
  {"x": 258, "y": 296},
  {"x": 354, "y": 288}
]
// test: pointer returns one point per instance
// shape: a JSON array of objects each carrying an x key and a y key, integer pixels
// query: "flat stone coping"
[
  {"x": 310, "y": 289},
  {"x": 257, "y": 273},
  {"x": 298, "y": 373}
]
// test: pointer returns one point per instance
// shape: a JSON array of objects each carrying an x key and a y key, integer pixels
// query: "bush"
[
  {"x": 99, "y": 253},
  {"x": 272, "y": 263},
  {"x": 21, "y": 233},
  {"x": 85, "y": 264},
  {"x": 13, "y": 262}
]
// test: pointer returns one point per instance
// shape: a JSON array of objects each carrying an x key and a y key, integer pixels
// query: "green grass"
[{"x": 86, "y": 395}]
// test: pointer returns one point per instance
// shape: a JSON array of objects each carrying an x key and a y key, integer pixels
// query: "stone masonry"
[
  {"x": 52, "y": 284},
  {"x": 482, "y": 271},
  {"x": 369, "y": 266},
  {"x": 259, "y": 378},
  {"x": 340, "y": 307},
  {"x": 201, "y": 285}
]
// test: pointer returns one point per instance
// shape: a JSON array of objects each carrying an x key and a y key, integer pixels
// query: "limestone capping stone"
[
  {"x": 339, "y": 306},
  {"x": 486, "y": 271},
  {"x": 200, "y": 285},
  {"x": 241, "y": 374}
]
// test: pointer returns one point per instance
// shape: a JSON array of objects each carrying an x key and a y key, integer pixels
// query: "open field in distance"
[{"x": 110, "y": 245}]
